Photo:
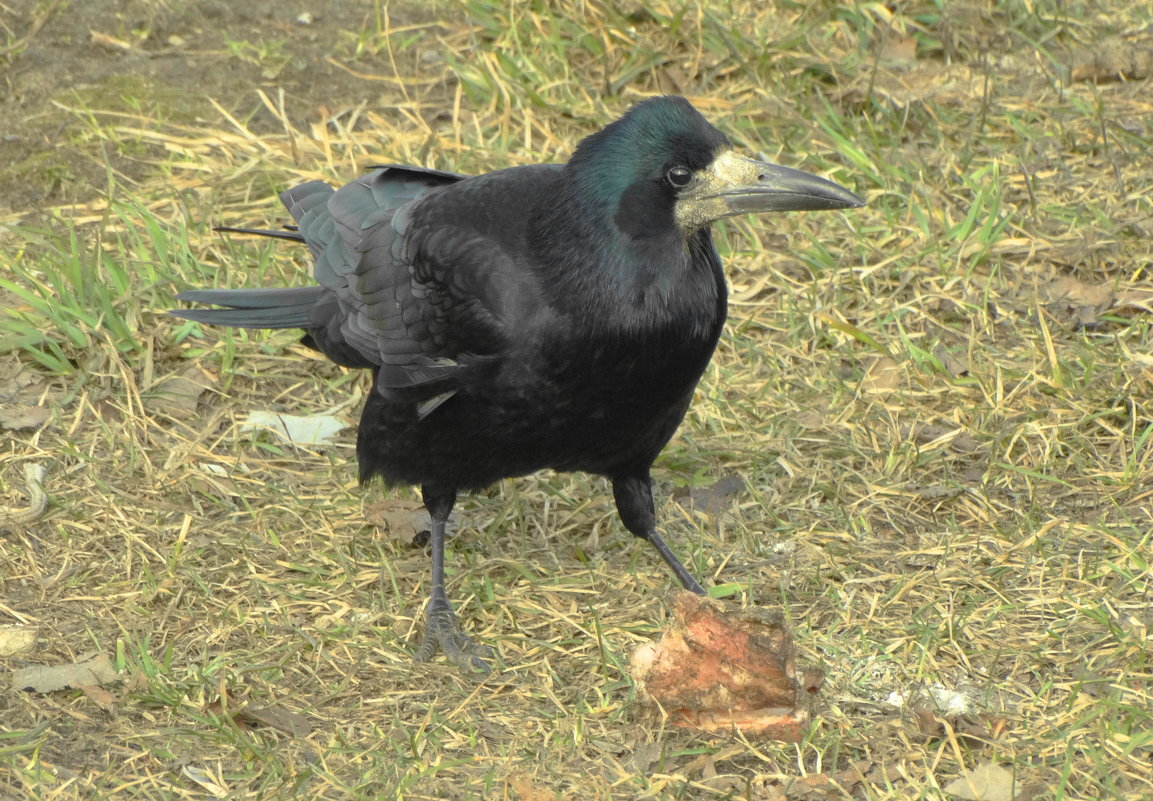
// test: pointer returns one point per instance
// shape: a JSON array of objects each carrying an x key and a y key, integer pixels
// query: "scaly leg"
[
  {"x": 634, "y": 496},
  {"x": 442, "y": 628}
]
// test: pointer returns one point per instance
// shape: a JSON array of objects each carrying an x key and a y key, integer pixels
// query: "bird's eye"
[{"x": 679, "y": 176}]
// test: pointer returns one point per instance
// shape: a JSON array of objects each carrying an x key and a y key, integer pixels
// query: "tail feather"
[
  {"x": 289, "y": 232},
  {"x": 252, "y": 308}
]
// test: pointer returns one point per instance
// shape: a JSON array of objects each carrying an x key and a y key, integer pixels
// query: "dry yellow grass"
[{"x": 939, "y": 406}]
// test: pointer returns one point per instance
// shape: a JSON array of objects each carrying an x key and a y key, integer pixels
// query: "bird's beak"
[
  {"x": 777, "y": 188},
  {"x": 734, "y": 184}
]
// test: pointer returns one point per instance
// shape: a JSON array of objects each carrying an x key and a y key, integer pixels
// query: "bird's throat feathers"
[{"x": 607, "y": 279}]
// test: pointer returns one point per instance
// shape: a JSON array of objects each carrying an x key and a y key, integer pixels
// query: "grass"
[{"x": 939, "y": 406}]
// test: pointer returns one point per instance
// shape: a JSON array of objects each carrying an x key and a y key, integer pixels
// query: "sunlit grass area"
[{"x": 937, "y": 407}]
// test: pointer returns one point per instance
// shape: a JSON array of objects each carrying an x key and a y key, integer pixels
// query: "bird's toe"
[{"x": 443, "y": 633}]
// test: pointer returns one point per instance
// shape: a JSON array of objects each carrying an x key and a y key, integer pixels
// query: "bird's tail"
[{"x": 252, "y": 308}]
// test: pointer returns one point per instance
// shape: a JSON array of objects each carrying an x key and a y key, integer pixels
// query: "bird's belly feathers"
[{"x": 594, "y": 406}]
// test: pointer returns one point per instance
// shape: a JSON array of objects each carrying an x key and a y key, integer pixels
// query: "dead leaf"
[
  {"x": 1140, "y": 227},
  {"x": 407, "y": 522},
  {"x": 646, "y": 754},
  {"x": 1087, "y": 302},
  {"x": 525, "y": 790},
  {"x": 109, "y": 42},
  {"x": 98, "y": 695},
  {"x": 17, "y": 382},
  {"x": 1134, "y": 300},
  {"x": 895, "y": 47},
  {"x": 137, "y": 682},
  {"x": 933, "y": 724},
  {"x": 108, "y": 411},
  {"x": 883, "y": 375},
  {"x": 814, "y": 787},
  {"x": 924, "y": 83},
  {"x": 854, "y": 775},
  {"x": 929, "y": 433},
  {"x": 314, "y": 429},
  {"x": 1116, "y": 59},
  {"x": 927, "y": 722},
  {"x": 47, "y": 678},
  {"x": 986, "y": 782},
  {"x": 34, "y": 473},
  {"x": 178, "y": 396},
  {"x": 812, "y": 680},
  {"x": 712, "y": 499},
  {"x": 885, "y": 773},
  {"x": 938, "y": 492},
  {"x": 17, "y": 416},
  {"x": 954, "y": 365},
  {"x": 1032, "y": 791},
  {"x": 811, "y": 419},
  {"x": 226, "y": 706},
  {"x": 1071, "y": 290},
  {"x": 279, "y": 718},
  {"x": 214, "y": 785},
  {"x": 16, "y": 639}
]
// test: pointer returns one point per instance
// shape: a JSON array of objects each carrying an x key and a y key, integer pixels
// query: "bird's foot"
[{"x": 442, "y": 632}]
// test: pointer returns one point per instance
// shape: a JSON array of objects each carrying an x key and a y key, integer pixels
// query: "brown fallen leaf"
[
  {"x": 47, "y": 678},
  {"x": 18, "y": 416},
  {"x": 247, "y": 717},
  {"x": 179, "y": 395},
  {"x": 109, "y": 42},
  {"x": 279, "y": 718},
  {"x": 523, "y": 789},
  {"x": 928, "y": 433},
  {"x": 16, "y": 639},
  {"x": 883, "y": 375},
  {"x": 927, "y": 723},
  {"x": 921, "y": 83},
  {"x": 713, "y": 499},
  {"x": 405, "y": 521},
  {"x": 854, "y": 775},
  {"x": 718, "y": 669},
  {"x": 1135, "y": 299},
  {"x": 895, "y": 47},
  {"x": 955, "y": 365},
  {"x": 646, "y": 754},
  {"x": 18, "y": 383},
  {"x": 1075, "y": 292},
  {"x": 986, "y": 782},
  {"x": 1116, "y": 59},
  {"x": 11, "y": 518},
  {"x": 982, "y": 728},
  {"x": 812, "y": 680},
  {"x": 137, "y": 682},
  {"x": 213, "y": 785},
  {"x": 814, "y": 787},
  {"x": 1087, "y": 302},
  {"x": 98, "y": 695}
]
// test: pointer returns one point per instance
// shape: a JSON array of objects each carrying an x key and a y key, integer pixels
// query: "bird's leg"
[
  {"x": 442, "y": 627},
  {"x": 634, "y": 496}
]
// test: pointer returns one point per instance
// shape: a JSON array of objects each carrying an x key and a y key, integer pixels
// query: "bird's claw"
[{"x": 442, "y": 632}]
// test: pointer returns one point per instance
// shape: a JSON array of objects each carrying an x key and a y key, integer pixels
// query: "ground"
[{"x": 925, "y": 438}]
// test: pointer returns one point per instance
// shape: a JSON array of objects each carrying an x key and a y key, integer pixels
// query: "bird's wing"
[{"x": 416, "y": 300}]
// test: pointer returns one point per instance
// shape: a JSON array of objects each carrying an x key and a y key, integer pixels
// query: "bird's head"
[{"x": 662, "y": 165}]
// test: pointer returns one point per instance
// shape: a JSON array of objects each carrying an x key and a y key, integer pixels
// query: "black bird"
[{"x": 545, "y": 316}]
